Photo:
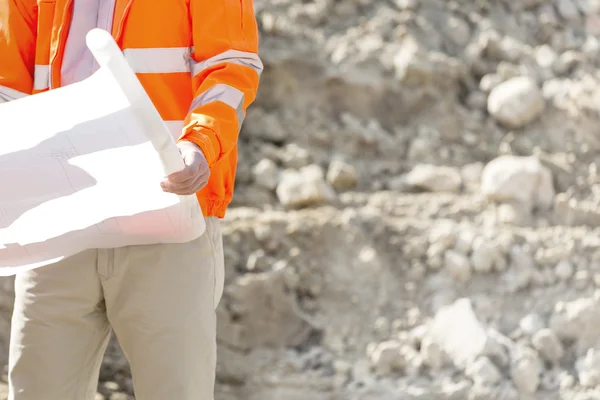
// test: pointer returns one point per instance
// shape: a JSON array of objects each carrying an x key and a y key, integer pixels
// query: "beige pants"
[{"x": 160, "y": 300}]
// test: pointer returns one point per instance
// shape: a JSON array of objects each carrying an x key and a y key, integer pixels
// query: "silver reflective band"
[
  {"x": 41, "y": 77},
  {"x": 159, "y": 60},
  {"x": 251, "y": 60},
  {"x": 8, "y": 94},
  {"x": 231, "y": 96}
]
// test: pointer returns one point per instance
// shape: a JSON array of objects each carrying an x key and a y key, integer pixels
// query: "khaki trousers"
[{"x": 160, "y": 300}]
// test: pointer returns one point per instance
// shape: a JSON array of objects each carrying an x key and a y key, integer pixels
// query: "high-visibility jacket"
[{"x": 197, "y": 60}]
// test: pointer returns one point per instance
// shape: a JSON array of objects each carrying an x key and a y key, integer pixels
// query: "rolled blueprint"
[
  {"x": 81, "y": 165},
  {"x": 109, "y": 56}
]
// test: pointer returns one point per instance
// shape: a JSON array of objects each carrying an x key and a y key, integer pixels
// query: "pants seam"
[{"x": 213, "y": 252}]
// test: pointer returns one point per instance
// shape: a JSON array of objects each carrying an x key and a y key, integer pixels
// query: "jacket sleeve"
[
  {"x": 18, "y": 29},
  {"x": 226, "y": 73}
]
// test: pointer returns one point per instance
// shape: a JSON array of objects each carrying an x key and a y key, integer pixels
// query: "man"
[{"x": 198, "y": 62}]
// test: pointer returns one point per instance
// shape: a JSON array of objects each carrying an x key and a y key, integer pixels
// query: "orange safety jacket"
[{"x": 197, "y": 60}]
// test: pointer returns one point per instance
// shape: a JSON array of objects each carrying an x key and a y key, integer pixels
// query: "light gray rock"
[
  {"x": 387, "y": 357},
  {"x": 567, "y": 9},
  {"x": 266, "y": 174},
  {"x": 484, "y": 256},
  {"x": 588, "y": 369},
  {"x": 564, "y": 270},
  {"x": 577, "y": 319},
  {"x": 525, "y": 370},
  {"x": 458, "y": 265},
  {"x": 342, "y": 176},
  {"x": 548, "y": 344},
  {"x": 304, "y": 187},
  {"x": 483, "y": 372},
  {"x": 432, "y": 354},
  {"x": 434, "y": 178},
  {"x": 456, "y": 329},
  {"x": 531, "y": 324},
  {"x": 516, "y": 102},
  {"x": 518, "y": 179}
]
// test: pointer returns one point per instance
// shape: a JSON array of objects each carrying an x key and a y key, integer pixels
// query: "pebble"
[
  {"x": 457, "y": 265},
  {"x": 266, "y": 174},
  {"x": 435, "y": 178},
  {"x": 548, "y": 344},
  {"x": 516, "y": 102},
  {"x": 483, "y": 372},
  {"x": 304, "y": 187},
  {"x": 525, "y": 370},
  {"x": 564, "y": 270},
  {"x": 531, "y": 324},
  {"x": 342, "y": 176},
  {"x": 518, "y": 179}
]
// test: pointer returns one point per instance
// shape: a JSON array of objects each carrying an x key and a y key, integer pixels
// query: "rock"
[
  {"x": 489, "y": 82},
  {"x": 503, "y": 391},
  {"x": 484, "y": 256},
  {"x": 342, "y": 176},
  {"x": 564, "y": 270},
  {"x": 545, "y": 56},
  {"x": 457, "y": 331},
  {"x": 457, "y": 265},
  {"x": 393, "y": 355},
  {"x": 406, "y": 4},
  {"x": 295, "y": 157},
  {"x": 387, "y": 357},
  {"x": 432, "y": 354},
  {"x": 483, "y": 372},
  {"x": 525, "y": 370},
  {"x": 577, "y": 319},
  {"x": 259, "y": 261},
  {"x": 304, "y": 188},
  {"x": 464, "y": 241},
  {"x": 516, "y": 102},
  {"x": 518, "y": 179},
  {"x": 119, "y": 396},
  {"x": 263, "y": 125},
  {"x": 471, "y": 173},
  {"x": 521, "y": 270},
  {"x": 547, "y": 343},
  {"x": 588, "y": 369},
  {"x": 434, "y": 178},
  {"x": 266, "y": 174},
  {"x": 531, "y": 324},
  {"x": 443, "y": 233},
  {"x": 567, "y": 9},
  {"x": 458, "y": 30}
]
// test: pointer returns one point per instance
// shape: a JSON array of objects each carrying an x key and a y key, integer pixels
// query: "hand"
[{"x": 195, "y": 174}]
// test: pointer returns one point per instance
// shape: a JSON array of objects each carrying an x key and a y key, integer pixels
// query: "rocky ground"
[{"x": 417, "y": 206}]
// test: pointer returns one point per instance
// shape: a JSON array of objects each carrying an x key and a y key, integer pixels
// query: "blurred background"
[{"x": 417, "y": 206}]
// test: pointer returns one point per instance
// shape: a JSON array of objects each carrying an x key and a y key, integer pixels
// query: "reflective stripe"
[
  {"x": 231, "y": 96},
  {"x": 251, "y": 60},
  {"x": 41, "y": 77},
  {"x": 175, "y": 127},
  {"x": 178, "y": 59},
  {"x": 159, "y": 60},
  {"x": 8, "y": 94}
]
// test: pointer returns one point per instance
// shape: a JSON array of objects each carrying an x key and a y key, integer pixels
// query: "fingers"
[
  {"x": 193, "y": 177},
  {"x": 189, "y": 187},
  {"x": 194, "y": 167}
]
